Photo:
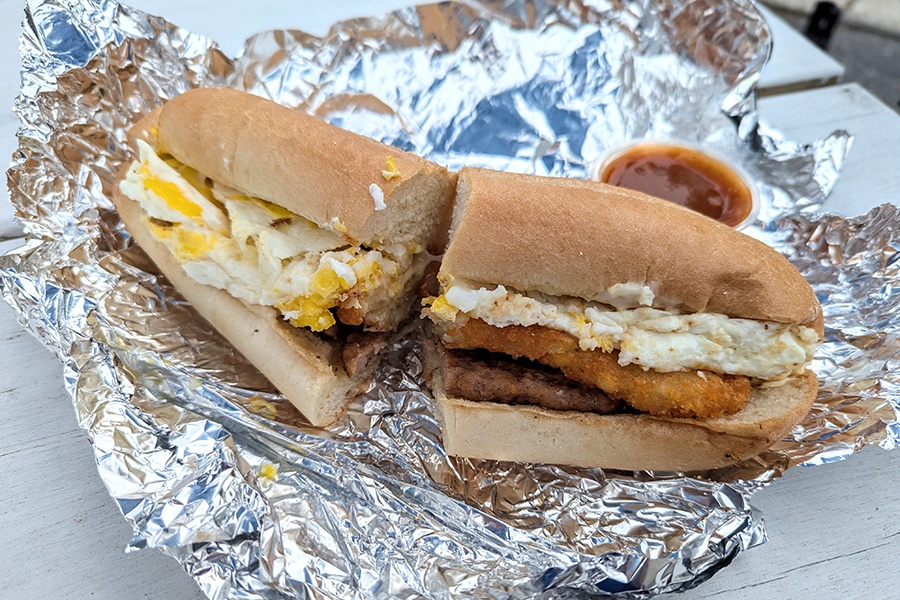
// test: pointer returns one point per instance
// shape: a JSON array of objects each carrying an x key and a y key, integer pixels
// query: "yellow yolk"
[
  {"x": 188, "y": 245},
  {"x": 392, "y": 171},
  {"x": 268, "y": 471},
  {"x": 311, "y": 311},
  {"x": 278, "y": 211},
  {"x": 326, "y": 282},
  {"x": 317, "y": 321},
  {"x": 442, "y": 308},
  {"x": 314, "y": 309},
  {"x": 193, "y": 177},
  {"x": 371, "y": 273},
  {"x": 173, "y": 196}
]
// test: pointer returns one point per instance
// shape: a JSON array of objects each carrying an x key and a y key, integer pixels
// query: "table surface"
[{"x": 834, "y": 530}]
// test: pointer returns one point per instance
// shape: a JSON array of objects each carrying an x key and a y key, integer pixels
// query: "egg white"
[
  {"x": 663, "y": 340},
  {"x": 257, "y": 251}
]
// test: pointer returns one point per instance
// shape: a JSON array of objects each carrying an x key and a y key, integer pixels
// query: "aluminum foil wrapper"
[{"x": 213, "y": 467}]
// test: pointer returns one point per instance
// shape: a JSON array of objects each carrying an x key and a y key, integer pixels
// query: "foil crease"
[{"x": 214, "y": 468}]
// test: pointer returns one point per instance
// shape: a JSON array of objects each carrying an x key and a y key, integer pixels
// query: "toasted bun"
[
  {"x": 304, "y": 367},
  {"x": 578, "y": 238},
  {"x": 302, "y": 163},
  {"x": 630, "y": 442}
]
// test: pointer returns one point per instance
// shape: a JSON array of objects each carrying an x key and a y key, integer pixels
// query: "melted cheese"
[{"x": 663, "y": 340}]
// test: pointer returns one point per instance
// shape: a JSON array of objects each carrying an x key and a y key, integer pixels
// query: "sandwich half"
[
  {"x": 290, "y": 236},
  {"x": 582, "y": 324}
]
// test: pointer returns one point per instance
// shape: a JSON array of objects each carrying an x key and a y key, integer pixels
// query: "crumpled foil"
[{"x": 214, "y": 468}]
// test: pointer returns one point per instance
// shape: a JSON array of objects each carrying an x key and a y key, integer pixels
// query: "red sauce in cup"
[{"x": 682, "y": 175}]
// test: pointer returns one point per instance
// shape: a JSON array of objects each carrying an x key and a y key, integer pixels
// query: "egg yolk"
[
  {"x": 278, "y": 211},
  {"x": 193, "y": 177},
  {"x": 188, "y": 245},
  {"x": 268, "y": 471},
  {"x": 314, "y": 309},
  {"x": 391, "y": 171},
  {"x": 326, "y": 282},
  {"x": 443, "y": 309},
  {"x": 173, "y": 196}
]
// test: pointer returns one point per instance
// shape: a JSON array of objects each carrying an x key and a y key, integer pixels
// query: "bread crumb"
[
  {"x": 338, "y": 226},
  {"x": 378, "y": 196},
  {"x": 392, "y": 171},
  {"x": 263, "y": 408},
  {"x": 268, "y": 471}
]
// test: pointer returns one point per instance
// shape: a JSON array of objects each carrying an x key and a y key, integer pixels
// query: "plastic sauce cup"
[{"x": 684, "y": 174}]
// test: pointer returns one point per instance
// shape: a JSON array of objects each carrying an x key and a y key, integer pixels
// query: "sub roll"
[
  {"x": 582, "y": 324},
  {"x": 290, "y": 236}
]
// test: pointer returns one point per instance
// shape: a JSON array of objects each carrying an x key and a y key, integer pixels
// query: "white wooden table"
[{"x": 835, "y": 530}]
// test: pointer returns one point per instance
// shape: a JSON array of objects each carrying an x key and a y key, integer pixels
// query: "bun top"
[
  {"x": 579, "y": 238},
  {"x": 314, "y": 169}
]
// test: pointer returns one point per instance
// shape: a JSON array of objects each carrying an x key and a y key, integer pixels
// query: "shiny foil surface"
[{"x": 214, "y": 468}]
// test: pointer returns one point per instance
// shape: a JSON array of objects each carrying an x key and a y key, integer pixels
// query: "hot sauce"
[{"x": 682, "y": 175}]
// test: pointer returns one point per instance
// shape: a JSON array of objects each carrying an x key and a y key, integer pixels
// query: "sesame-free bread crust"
[
  {"x": 304, "y": 164},
  {"x": 577, "y": 238},
  {"x": 631, "y": 442}
]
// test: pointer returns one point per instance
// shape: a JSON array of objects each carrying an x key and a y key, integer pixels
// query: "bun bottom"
[
  {"x": 629, "y": 442},
  {"x": 302, "y": 366}
]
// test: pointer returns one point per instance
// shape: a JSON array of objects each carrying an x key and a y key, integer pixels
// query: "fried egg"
[
  {"x": 257, "y": 251},
  {"x": 663, "y": 340}
]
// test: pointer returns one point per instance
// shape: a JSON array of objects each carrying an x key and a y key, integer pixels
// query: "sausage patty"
[{"x": 482, "y": 376}]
